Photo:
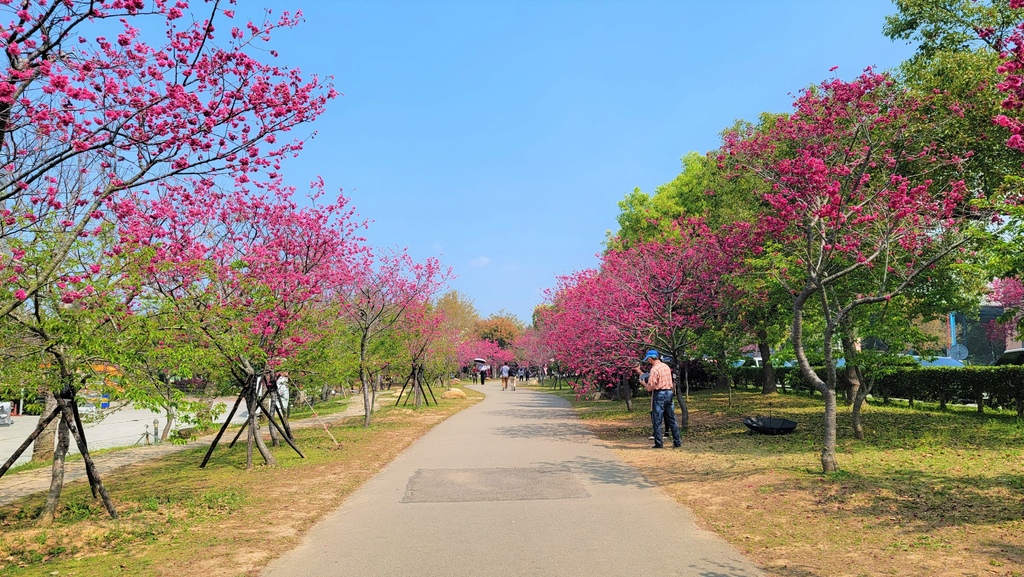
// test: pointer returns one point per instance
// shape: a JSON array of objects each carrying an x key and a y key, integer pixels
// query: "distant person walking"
[
  {"x": 282, "y": 391},
  {"x": 659, "y": 384},
  {"x": 504, "y": 377}
]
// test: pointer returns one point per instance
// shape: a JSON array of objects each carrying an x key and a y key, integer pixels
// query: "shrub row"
[{"x": 1001, "y": 386}]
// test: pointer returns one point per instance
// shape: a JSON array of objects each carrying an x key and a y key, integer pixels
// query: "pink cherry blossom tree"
[
  {"x": 425, "y": 336},
  {"x": 1009, "y": 294},
  {"x": 657, "y": 294},
  {"x": 581, "y": 332},
  {"x": 1012, "y": 53},
  {"x": 86, "y": 118},
  {"x": 852, "y": 210},
  {"x": 241, "y": 274},
  {"x": 381, "y": 290},
  {"x": 532, "y": 347},
  {"x": 477, "y": 348},
  {"x": 93, "y": 114}
]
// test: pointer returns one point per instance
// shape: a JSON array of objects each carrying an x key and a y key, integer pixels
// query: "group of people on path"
[
  {"x": 509, "y": 376},
  {"x": 657, "y": 381},
  {"x": 505, "y": 372}
]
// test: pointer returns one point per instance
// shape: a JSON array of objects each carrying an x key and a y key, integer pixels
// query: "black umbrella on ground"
[{"x": 769, "y": 425}]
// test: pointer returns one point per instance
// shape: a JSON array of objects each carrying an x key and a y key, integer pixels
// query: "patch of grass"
[
  {"x": 945, "y": 485},
  {"x": 29, "y": 466},
  {"x": 324, "y": 408},
  {"x": 178, "y": 519},
  {"x": 73, "y": 457}
]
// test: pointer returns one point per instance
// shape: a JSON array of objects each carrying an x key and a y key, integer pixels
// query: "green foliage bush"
[
  {"x": 787, "y": 377},
  {"x": 33, "y": 409},
  {"x": 991, "y": 386}
]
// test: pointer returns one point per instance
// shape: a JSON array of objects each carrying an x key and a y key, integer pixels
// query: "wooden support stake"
[
  {"x": 287, "y": 439},
  {"x": 83, "y": 448},
  {"x": 223, "y": 428},
  {"x": 39, "y": 429}
]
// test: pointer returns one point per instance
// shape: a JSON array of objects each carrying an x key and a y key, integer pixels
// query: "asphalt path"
[{"x": 514, "y": 485}]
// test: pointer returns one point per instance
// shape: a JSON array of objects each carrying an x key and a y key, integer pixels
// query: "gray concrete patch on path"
[{"x": 514, "y": 485}]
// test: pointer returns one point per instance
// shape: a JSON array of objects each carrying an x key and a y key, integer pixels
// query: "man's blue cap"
[{"x": 651, "y": 354}]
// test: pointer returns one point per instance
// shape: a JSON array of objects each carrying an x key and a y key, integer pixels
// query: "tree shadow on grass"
[
  {"x": 715, "y": 427},
  {"x": 929, "y": 501}
]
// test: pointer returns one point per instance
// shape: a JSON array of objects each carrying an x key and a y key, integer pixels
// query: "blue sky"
[{"x": 499, "y": 135}]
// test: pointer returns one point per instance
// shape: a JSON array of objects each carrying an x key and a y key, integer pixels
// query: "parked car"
[{"x": 1011, "y": 357}]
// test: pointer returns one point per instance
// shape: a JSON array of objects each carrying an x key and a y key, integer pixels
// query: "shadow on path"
[{"x": 603, "y": 471}]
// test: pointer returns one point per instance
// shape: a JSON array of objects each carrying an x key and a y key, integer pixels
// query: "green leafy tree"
[{"x": 501, "y": 327}]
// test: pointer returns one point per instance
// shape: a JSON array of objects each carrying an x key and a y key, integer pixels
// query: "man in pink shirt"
[{"x": 659, "y": 384}]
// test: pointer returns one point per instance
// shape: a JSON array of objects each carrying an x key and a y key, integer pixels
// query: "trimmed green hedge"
[{"x": 1001, "y": 386}]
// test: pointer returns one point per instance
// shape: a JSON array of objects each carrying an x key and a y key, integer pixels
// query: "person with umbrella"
[{"x": 481, "y": 368}]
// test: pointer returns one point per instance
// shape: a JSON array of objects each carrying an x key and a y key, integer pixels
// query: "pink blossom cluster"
[
  {"x": 484, "y": 349},
  {"x": 1009, "y": 294},
  {"x": 652, "y": 294},
  {"x": 91, "y": 123},
  {"x": 842, "y": 181},
  {"x": 150, "y": 174},
  {"x": 1012, "y": 67}
]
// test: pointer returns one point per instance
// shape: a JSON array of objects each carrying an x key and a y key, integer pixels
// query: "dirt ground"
[
  {"x": 223, "y": 521},
  {"x": 795, "y": 523},
  {"x": 941, "y": 512}
]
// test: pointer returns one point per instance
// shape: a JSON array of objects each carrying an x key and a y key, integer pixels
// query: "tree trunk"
[
  {"x": 69, "y": 412},
  {"x": 851, "y": 377},
  {"x": 626, "y": 391},
  {"x": 171, "y": 414},
  {"x": 274, "y": 441},
  {"x": 682, "y": 394},
  {"x": 365, "y": 385},
  {"x": 264, "y": 451},
  {"x": 364, "y": 382},
  {"x": 855, "y": 413},
  {"x": 684, "y": 413},
  {"x": 268, "y": 457},
  {"x": 770, "y": 381},
  {"x": 851, "y": 380},
  {"x": 249, "y": 441},
  {"x": 417, "y": 382},
  {"x": 254, "y": 437},
  {"x": 56, "y": 474},
  {"x": 42, "y": 450},
  {"x": 858, "y": 405},
  {"x": 828, "y": 450}
]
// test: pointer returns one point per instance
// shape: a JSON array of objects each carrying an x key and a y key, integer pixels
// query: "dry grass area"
[
  {"x": 927, "y": 493},
  {"x": 222, "y": 521}
]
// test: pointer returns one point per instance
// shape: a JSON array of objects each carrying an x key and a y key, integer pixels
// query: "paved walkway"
[
  {"x": 514, "y": 485},
  {"x": 20, "y": 485}
]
